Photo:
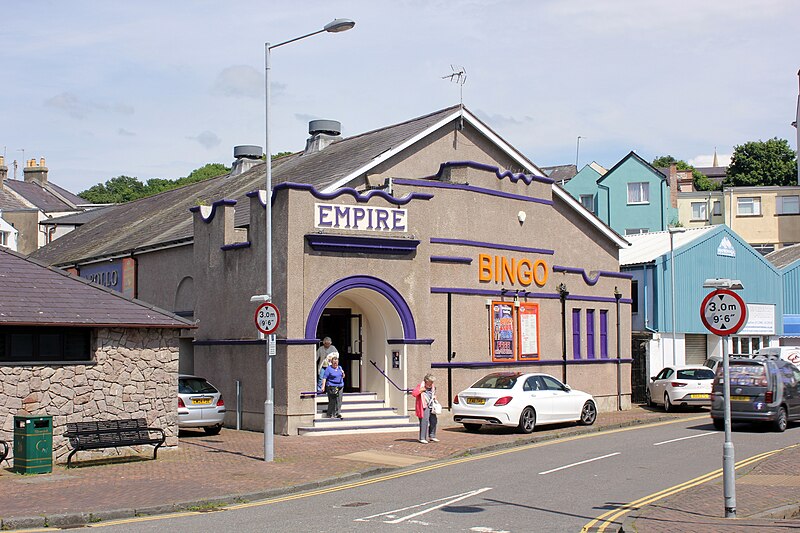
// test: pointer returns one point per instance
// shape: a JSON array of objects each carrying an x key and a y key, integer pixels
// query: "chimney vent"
[
  {"x": 246, "y": 156},
  {"x": 35, "y": 173},
  {"x": 323, "y": 133}
]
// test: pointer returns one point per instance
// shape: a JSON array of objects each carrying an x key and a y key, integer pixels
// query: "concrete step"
[
  {"x": 371, "y": 421},
  {"x": 354, "y": 404},
  {"x": 349, "y": 412},
  {"x": 349, "y": 396},
  {"x": 346, "y": 429}
]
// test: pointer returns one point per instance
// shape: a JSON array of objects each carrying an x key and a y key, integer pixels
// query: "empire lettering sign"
[{"x": 362, "y": 218}]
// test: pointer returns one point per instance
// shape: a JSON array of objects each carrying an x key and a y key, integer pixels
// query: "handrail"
[{"x": 407, "y": 391}]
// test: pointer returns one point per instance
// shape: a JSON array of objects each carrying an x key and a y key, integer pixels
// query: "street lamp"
[
  {"x": 672, "y": 231},
  {"x": 335, "y": 26}
]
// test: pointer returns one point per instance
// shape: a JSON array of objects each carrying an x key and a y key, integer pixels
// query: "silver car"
[{"x": 200, "y": 405}]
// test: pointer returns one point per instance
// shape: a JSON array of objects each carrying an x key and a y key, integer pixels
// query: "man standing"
[{"x": 322, "y": 359}]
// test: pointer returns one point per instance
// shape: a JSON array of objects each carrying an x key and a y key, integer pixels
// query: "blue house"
[
  {"x": 787, "y": 260},
  {"x": 632, "y": 198},
  {"x": 699, "y": 254}
]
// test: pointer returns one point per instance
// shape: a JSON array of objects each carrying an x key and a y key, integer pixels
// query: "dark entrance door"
[{"x": 340, "y": 325}]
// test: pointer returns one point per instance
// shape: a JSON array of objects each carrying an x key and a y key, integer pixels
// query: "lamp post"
[
  {"x": 335, "y": 26},
  {"x": 672, "y": 231},
  {"x": 578, "y": 150}
]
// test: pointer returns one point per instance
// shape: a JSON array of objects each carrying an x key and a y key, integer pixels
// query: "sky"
[{"x": 157, "y": 88}]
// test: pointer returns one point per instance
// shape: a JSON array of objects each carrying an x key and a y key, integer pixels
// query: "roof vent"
[
  {"x": 323, "y": 133},
  {"x": 247, "y": 156}
]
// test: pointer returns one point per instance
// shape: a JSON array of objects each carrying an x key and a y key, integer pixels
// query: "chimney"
[
  {"x": 323, "y": 133},
  {"x": 3, "y": 172},
  {"x": 245, "y": 157},
  {"x": 672, "y": 180},
  {"x": 35, "y": 173}
]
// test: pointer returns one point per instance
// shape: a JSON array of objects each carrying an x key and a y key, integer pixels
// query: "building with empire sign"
[{"x": 427, "y": 246}]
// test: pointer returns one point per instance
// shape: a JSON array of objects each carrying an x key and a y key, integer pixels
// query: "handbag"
[{"x": 436, "y": 407}]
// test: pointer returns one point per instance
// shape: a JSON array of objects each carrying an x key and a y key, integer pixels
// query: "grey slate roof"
[
  {"x": 165, "y": 217},
  {"x": 77, "y": 219},
  {"x": 561, "y": 173},
  {"x": 785, "y": 256},
  {"x": 9, "y": 200},
  {"x": 45, "y": 198},
  {"x": 34, "y": 294}
]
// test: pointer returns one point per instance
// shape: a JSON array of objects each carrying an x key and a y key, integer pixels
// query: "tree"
[
  {"x": 770, "y": 162},
  {"x": 701, "y": 181}
]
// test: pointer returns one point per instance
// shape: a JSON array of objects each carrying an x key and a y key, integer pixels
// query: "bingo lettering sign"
[{"x": 361, "y": 218}]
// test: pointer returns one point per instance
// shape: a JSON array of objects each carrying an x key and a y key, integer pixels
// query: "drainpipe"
[
  {"x": 644, "y": 292},
  {"x": 450, "y": 353},
  {"x": 617, "y": 296},
  {"x": 562, "y": 295}
]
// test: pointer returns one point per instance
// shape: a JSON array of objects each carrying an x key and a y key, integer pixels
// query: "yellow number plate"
[
  {"x": 476, "y": 401},
  {"x": 201, "y": 401},
  {"x": 740, "y": 398},
  {"x": 699, "y": 396}
]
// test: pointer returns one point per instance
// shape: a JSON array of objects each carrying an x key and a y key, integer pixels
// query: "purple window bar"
[
  {"x": 576, "y": 333},
  {"x": 590, "y": 333},
  {"x": 603, "y": 334}
]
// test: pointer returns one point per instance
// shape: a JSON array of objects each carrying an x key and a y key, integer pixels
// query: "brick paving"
[{"x": 229, "y": 467}]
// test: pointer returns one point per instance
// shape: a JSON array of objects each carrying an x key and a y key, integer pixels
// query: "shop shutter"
[{"x": 695, "y": 349}]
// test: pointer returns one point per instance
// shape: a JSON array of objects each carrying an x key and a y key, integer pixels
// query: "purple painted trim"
[
  {"x": 251, "y": 342},
  {"x": 527, "y": 178},
  {"x": 359, "y": 197},
  {"x": 235, "y": 246},
  {"x": 523, "y": 294},
  {"x": 362, "y": 282},
  {"x": 298, "y": 342},
  {"x": 471, "y": 188},
  {"x": 322, "y": 242},
  {"x": 218, "y": 203},
  {"x": 560, "y": 362},
  {"x": 410, "y": 341},
  {"x": 587, "y": 279},
  {"x": 450, "y": 259},
  {"x": 461, "y": 242}
]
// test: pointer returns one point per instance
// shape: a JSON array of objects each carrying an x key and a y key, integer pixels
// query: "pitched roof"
[
  {"x": 647, "y": 247},
  {"x": 48, "y": 198},
  {"x": 561, "y": 173},
  {"x": 785, "y": 256},
  {"x": 10, "y": 201},
  {"x": 638, "y": 158},
  {"x": 77, "y": 219},
  {"x": 34, "y": 294}
]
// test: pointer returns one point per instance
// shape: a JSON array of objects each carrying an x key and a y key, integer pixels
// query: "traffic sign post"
[
  {"x": 723, "y": 313},
  {"x": 267, "y": 318}
]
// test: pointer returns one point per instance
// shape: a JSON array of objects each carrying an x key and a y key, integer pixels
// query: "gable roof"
[
  {"x": 636, "y": 157},
  {"x": 561, "y": 173},
  {"x": 164, "y": 219},
  {"x": 34, "y": 294},
  {"x": 11, "y": 201},
  {"x": 48, "y": 198},
  {"x": 785, "y": 256}
]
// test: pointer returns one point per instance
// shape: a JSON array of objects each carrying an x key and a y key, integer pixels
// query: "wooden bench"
[
  {"x": 3, "y": 450},
  {"x": 112, "y": 434}
]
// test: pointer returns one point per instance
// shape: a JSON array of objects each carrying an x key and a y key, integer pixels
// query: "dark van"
[{"x": 763, "y": 389}]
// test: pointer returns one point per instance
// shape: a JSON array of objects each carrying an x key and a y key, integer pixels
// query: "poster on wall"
[
  {"x": 528, "y": 317},
  {"x": 502, "y": 331}
]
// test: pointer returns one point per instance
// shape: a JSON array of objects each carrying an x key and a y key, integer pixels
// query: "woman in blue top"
[{"x": 332, "y": 383}]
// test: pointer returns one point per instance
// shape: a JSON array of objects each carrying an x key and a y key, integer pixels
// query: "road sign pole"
[{"x": 728, "y": 469}]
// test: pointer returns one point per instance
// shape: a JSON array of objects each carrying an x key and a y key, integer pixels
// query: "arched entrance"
[{"x": 362, "y": 314}]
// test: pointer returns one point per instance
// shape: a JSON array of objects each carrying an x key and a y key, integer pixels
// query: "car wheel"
[
  {"x": 781, "y": 422},
  {"x": 649, "y": 399},
  {"x": 668, "y": 404},
  {"x": 472, "y": 428},
  {"x": 719, "y": 424},
  {"x": 588, "y": 413},
  {"x": 527, "y": 420},
  {"x": 212, "y": 430}
]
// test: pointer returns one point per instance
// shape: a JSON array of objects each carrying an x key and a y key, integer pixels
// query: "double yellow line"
[{"x": 606, "y": 519}]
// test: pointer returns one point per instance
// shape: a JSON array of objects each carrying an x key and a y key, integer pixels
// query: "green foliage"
[
  {"x": 280, "y": 154},
  {"x": 701, "y": 181},
  {"x": 770, "y": 162},
  {"x": 125, "y": 188}
]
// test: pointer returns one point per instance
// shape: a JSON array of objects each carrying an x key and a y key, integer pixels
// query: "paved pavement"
[{"x": 205, "y": 472}]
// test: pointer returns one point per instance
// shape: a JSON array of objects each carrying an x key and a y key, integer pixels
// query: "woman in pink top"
[{"x": 425, "y": 393}]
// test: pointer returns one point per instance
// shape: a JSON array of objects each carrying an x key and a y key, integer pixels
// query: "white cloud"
[
  {"x": 239, "y": 81},
  {"x": 79, "y": 108},
  {"x": 208, "y": 139}
]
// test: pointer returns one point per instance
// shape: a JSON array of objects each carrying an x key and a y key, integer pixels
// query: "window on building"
[
  {"x": 748, "y": 206},
  {"x": 576, "y": 333},
  {"x": 43, "y": 344},
  {"x": 3, "y": 238},
  {"x": 788, "y": 205},
  {"x": 699, "y": 211},
  {"x": 747, "y": 345},
  {"x": 587, "y": 201},
  {"x": 590, "y": 333},
  {"x": 764, "y": 249},
  {"x": 635, "y": 296},
  {"x": 603, "y": 334},
  {"x": 639, "y": 193},
  {"x": 717, "y": 209},
  {"x": 636, "y": 231}
]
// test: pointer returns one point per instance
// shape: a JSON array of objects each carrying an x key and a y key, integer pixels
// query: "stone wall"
[{"x": 134, "y": 375}]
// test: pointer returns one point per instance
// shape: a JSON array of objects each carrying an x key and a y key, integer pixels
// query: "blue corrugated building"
[{"x": 787, "y": 260}]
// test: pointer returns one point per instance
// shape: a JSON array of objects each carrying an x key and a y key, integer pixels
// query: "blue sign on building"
[{"x": 105, "y": 274}]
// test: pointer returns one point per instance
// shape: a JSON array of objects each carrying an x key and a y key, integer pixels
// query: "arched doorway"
[{"x": 362, "y": 314}]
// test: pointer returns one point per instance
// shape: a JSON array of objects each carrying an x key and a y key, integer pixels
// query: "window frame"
[
  {"x": 643, "y": 190},
  {"x": 716, "y": 208},
  {"x": 590, "y": 327},
  {"x": 75, "y": 345},
  {"x": 576, "y": 333},
  {"x": 780, "y": 208},
  {"x": 703, "y": 215},
  {"x": 636, "y": 231},
  {"x": 755, "y": 201},
  {"x": 589, "y": 197}
]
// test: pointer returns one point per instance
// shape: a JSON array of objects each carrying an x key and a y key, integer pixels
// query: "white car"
[
  {"x": 687, "y": 385},
  {"x": 200, "y": 405},
  {"x": 521, "y": 400}
]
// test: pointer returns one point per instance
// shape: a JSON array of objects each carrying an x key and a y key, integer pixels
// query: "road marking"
[
  {"x": 447, "y": 500},
  {"x": 608, "y": 518},
  {"x": 686, "y": 438},
  {"x": 579, "y": 463},
  {"x": 403, "y": 473}
]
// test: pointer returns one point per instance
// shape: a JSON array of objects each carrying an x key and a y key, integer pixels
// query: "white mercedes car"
[{"x": 521, "y": 400}]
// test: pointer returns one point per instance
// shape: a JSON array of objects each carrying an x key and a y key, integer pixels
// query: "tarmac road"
[{"x": 559, "y": 485}]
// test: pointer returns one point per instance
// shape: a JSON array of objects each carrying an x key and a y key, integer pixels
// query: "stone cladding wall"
[{"x": 134, "y": 375}]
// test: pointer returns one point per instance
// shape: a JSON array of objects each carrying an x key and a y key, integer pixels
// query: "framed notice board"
[
  {"x": 528, "y": 328},
  {"x": 503, "y": 331}
]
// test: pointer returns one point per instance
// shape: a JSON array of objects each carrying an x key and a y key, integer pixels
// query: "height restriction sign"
[
  {"x": 723, "y": 312},
  {"x": 267, "y": 318}
]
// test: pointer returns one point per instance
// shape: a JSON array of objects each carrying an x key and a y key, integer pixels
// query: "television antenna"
[{"x": 459, "y": 76}]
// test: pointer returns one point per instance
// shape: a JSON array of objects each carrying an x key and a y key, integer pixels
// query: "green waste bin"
[{"x": 33, "y": 444}]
